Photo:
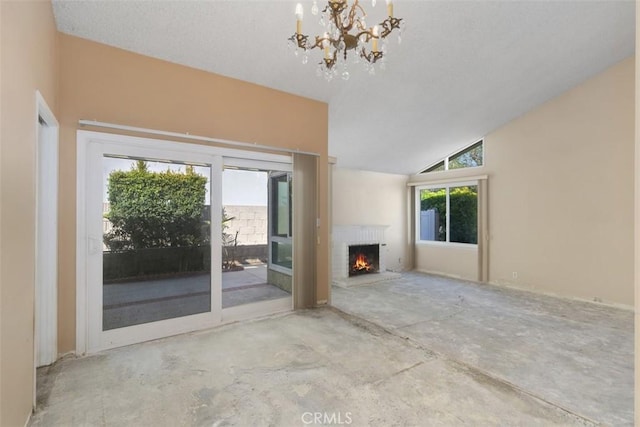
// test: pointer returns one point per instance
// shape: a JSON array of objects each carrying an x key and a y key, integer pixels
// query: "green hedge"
[
  {"x": 151, "y": 262},
  {"x": 156, "y": 209},
  {"x": 463, "y": 216}
]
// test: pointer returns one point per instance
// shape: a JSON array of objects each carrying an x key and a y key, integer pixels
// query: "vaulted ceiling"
[{"x": 463, "y": 68}]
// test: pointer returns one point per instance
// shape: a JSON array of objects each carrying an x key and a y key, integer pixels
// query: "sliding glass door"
[{"x": 159, "y": 253}]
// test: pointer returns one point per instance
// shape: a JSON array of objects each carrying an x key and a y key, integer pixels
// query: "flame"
[{"x": 362, "y": 263}]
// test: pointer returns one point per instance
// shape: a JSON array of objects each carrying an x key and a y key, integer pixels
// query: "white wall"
[{"x": 372, "y": 198}]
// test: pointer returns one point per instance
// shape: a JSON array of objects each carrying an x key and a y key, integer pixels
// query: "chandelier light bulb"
[
  {"x": 325, "y": 46},
  {"x": 299, "y": 12}
]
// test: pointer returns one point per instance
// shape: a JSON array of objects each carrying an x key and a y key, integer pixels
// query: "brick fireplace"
[{"x": 367, "y": 240}]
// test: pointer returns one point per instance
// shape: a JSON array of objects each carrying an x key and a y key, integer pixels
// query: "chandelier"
[{"x": 345, "y": 29}]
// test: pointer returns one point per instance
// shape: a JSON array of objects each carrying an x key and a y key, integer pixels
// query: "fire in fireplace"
[{"x": 364, "y": 259}]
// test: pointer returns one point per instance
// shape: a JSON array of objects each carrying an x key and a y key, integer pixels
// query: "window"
[
  {"x": 433, "y": 214},
  {"x": 468, "y": 157},
  {"x": 281, "y": 224},
  {"x": 448, "y": 213},
  {"x": 435, "y": 168}
]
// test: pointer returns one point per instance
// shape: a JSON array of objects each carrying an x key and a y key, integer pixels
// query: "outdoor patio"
[{"x": 134, "y": 303}]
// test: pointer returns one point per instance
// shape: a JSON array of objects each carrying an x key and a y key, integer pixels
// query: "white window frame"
[
  {"x": 447, "y": 186},
  {"x": 446, "y": 159},
  {"x": 278, "y": 239}
]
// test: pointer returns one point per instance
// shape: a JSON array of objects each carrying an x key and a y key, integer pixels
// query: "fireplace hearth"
[{"x": 363, "y": 259}]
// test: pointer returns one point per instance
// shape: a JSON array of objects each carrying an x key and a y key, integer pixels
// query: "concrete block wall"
[{"x": 250, "y": 222}]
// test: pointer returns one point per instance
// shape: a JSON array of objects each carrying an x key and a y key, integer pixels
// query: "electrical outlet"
[{"x": 514, "y": 274}]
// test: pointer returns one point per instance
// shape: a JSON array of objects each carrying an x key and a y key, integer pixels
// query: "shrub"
[
  {"x": 463, "y": 205},
  {"x": 156, "y": 209}
]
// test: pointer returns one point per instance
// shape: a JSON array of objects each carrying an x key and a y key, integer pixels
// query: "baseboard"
[
  {"x": 443, "y": 274},
  {"x": 504, "y": 285},
  {"x": 619, "y": 306}
]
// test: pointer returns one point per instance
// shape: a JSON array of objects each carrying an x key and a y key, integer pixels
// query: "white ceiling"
[{"x": 463, "y": 68}]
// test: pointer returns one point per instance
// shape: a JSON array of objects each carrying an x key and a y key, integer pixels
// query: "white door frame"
[
  {"x": 45, "y": 342},
  {"x": 89, "y": 242},
  {"x": 46, "y": 293}
]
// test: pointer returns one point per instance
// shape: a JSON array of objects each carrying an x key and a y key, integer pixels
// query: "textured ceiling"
[{"x": 463, "y": 68}]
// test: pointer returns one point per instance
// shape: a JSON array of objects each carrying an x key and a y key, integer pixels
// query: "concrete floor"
[
  {"x": 282, "y": 371},
  {"x": 419, "y": 350},
  {"x": 574, "y": 355}
]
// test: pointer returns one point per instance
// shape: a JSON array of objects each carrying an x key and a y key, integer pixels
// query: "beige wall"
[
  {"x": 28, "y": 62},
  {"x": 561, "y": 193},
  {"x": 111, "y": 85},
  {"x": 372, "y": 198},
  {"x": 249, "y": 222},
  {"x": 449, "y": 260}
]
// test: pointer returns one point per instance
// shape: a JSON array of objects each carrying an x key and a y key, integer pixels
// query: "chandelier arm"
[
  {"x": 318, "y": 43},
  {"x": 352, "y": 15},
  {"x": 372, "y": 56},
  {"x": 300, "y": 40},
  {"x": 337, "y": 18},
  {"x": 368, "y": 33},
  {"x": 357, "y": 5},
  {"x": 388, "y": 25},
  {"x": 303, "y": 41}
]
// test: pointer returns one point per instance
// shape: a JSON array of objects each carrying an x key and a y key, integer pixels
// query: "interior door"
[{"x": 153, "y": 252}]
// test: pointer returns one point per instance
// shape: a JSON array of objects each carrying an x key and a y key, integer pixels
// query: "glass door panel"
[
  {"x": 156, "y": 229},
  {"x": 247, "y": 276}
]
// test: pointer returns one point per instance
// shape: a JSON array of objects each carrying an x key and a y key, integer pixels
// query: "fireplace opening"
[{"x": 364, "y": 259}]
